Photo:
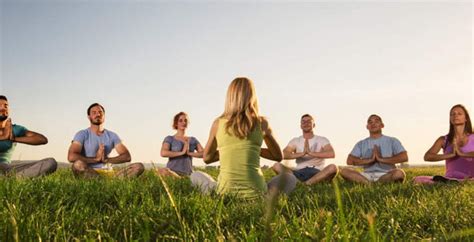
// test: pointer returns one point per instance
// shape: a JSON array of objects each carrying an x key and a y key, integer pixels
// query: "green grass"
[{"x": 61, "y": 207}]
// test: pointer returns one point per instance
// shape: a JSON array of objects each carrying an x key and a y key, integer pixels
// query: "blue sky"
[{"x": 145, "y": 61}]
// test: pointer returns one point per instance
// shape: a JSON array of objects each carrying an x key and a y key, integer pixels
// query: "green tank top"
[{"x": 240, "y": 163}]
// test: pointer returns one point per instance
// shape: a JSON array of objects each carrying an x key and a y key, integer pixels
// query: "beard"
[
  {"x": 3, "y": 118},
  {"x": 96, "y": 121}
]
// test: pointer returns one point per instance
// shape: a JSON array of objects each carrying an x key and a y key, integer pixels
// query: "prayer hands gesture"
[
  {"x": 456, "y": 149},
  {"x": 185, "y": 149},
  {"x": 306, "y": 150},
  {"x": 376, "y": 156},
  {"x": 100, "y": 154},
  {"x": 7, "y": 131}
]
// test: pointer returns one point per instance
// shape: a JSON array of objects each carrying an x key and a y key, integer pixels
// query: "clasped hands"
[
  {"x": 457, "y": 150},
  {"x": 7, "y": 131},
  {"x": 376, "y": 156},
  {"x": 306, "y": 150},
  {"x": 185, "y": 150},
  {"x": 100, "y": 155}
]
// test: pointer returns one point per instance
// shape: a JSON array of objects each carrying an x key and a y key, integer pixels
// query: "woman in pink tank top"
[{"x": 458, "y": 149}]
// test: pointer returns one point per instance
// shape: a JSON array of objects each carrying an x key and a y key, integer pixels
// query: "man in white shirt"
[{"x": 309, "y": 150}]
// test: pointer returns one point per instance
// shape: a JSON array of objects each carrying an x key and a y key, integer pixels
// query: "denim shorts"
[{"x": 305, "y": 173}]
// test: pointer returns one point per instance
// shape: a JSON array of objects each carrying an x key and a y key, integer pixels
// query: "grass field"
[{"x": 61, "y": 207}]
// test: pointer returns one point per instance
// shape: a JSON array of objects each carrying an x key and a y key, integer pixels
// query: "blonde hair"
[{"x": 241, "y": 107}]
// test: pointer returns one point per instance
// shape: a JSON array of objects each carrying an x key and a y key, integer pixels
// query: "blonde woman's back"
[{"x": 240, "y": 162}]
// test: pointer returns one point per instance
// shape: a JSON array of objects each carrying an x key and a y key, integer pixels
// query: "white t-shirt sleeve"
[
  {"x": 293, "y": 143},
  {"x": 324, "y": 141}
]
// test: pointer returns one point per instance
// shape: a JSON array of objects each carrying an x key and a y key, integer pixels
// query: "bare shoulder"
[
  {"x": 215, "y": 124},
  {"x": 441, "y": 140},
  {"x": 264, "y": 123}
]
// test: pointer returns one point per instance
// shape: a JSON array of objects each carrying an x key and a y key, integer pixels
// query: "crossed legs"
[
  {"x": 31, "y": 169},
  {"x": 394, "y": 175},
  {"x": 132, "y": 170},
  {"x": 326, "y": 174},
  {"x": 81, "y": 169}
]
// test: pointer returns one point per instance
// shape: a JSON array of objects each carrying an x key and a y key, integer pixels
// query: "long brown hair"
[
  {"x": 467, "y": 126},
  {"x": 241, "y": 107}
]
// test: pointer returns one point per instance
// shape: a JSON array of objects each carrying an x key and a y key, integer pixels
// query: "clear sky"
[{"x": 145, "y": 61}]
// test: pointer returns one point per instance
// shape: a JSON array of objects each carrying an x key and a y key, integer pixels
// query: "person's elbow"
[
  {"x": 404, "y": 157},
  {"x": 163, "y": 154},
  {"x": 332, "y": 155},
  {"x": 207, "y": 161},
  {"x": 71, "y": 157},
  {"x": 41, "y": 140},
  {"x": 206, "y": 157},
  {"x": 278, "y": 156},
  {"x": 349, "y": 161},
  {"x": 427, "y": 157},
  {"x": 128, "y": 157}
]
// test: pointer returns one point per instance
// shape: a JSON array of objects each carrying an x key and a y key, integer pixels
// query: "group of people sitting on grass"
[{"x": 235, "y": 139}]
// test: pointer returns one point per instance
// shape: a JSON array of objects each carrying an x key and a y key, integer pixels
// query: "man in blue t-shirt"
[
  {"x": 89, "y": 150},
  {"x": 10, "y": 134},
  {"x": 378, "y": 155}
]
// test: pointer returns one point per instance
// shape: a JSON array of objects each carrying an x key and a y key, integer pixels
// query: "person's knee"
[
  {"x": 202, "y": 181},
  {"x": 332, "y": 169},
  {"x": 348, "y": 173},
  {"x": 289, "y": 183},
  {"x": 285, "y": 182},
  {"x": 277, "y": 167},
  {"x": 79, "y": 166},
  {"x": 162, "y": 171},
  {"x": 344, "y": 171},
  {"x": 138, "y": 168},
  {"x": 399, "y": 175},
  {"x": 197, "y": 177},
  {"x": 291, "y": 180},
  {"x": 51, "y": 164}
]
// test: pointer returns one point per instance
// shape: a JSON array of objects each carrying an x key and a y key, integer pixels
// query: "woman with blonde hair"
[
  {"x": 235, "y": 140},
  {"x": 458, "y": 149},
  {"x": 179, "y": 149}
]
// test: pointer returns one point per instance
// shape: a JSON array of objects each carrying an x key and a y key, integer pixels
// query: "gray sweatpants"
[
  {"x": 285, "y": 182},
  {"x": 29, "y": 169}
]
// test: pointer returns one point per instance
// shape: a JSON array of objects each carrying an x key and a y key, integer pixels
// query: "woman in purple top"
[
  {"x": 458, "y": 149},
  {"x": 179, "y": 149}
]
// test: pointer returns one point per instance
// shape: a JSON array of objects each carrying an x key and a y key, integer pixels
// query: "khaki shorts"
[{"x": 373, "y": 176}]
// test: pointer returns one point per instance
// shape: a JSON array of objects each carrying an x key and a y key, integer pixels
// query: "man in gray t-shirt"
[
  {"x": 90, "y": 149},
  {"x": 378, "y": 155}
]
